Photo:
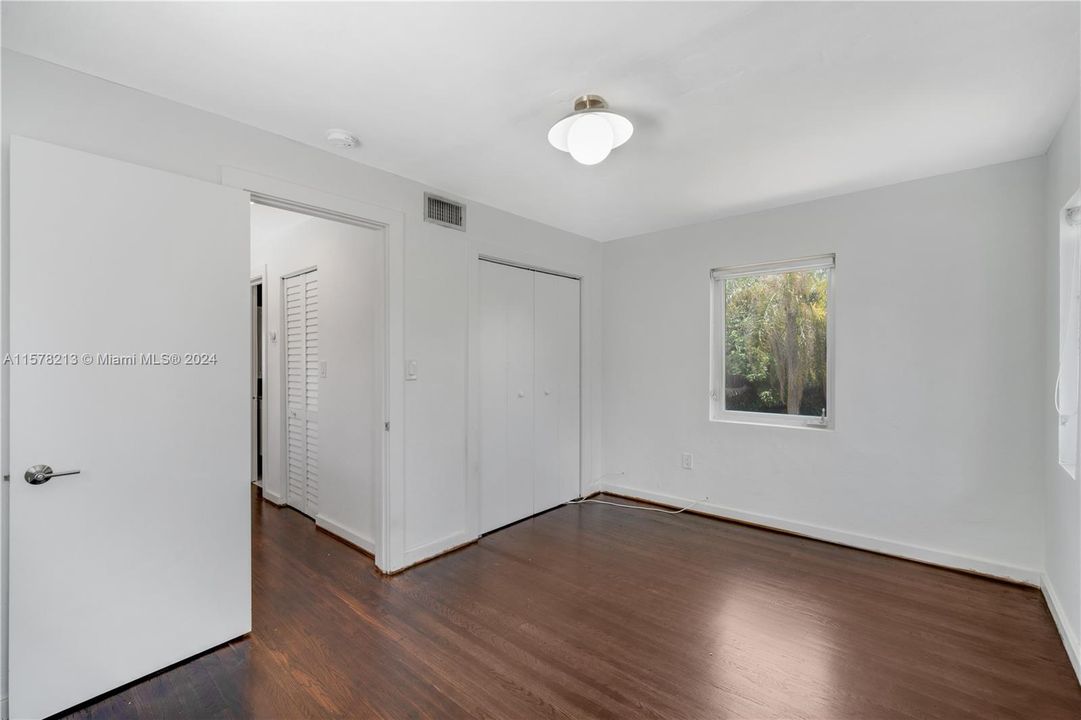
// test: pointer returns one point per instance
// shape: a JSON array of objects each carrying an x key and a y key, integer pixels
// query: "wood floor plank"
[{"x": 592, "y": 611}]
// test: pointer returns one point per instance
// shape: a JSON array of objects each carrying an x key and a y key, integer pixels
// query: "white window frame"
[{"x": 717, "y": 410}]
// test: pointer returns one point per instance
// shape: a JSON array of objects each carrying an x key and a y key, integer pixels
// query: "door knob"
[{"x": 39, "y": 474}]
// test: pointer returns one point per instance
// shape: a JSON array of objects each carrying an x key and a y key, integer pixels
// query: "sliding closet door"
[
  {"x": 302, "y": 391},
  {"x": 506, "y": 389},
  {"x": 556, "y": 390}
]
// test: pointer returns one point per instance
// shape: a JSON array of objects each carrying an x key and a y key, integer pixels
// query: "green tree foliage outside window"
[{"x": 775, "y": 342}]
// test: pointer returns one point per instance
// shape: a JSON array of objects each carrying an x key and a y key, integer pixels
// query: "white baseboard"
[
  {"x": 843, "y": 537},
  {"x": 273, "y": 497},
  {"x": 4, "y": 708},
  {"x": 347, "y": 534},
  {"x": 436, "y": 547},
  {"x": 592, "y": 489},
  {"x": 1062, "y": 622}
]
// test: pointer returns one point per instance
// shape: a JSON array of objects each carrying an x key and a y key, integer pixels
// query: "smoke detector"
[{"x": 342, "y": 139}]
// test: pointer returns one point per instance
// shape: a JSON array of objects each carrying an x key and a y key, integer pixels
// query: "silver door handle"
[{"x": 39, "y": 474}]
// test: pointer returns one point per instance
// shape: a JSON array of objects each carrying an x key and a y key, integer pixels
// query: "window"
[{"x": 772, "y": 332}]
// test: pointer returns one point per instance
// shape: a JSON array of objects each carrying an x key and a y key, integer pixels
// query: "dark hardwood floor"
[{"x": 596, "y": 611}]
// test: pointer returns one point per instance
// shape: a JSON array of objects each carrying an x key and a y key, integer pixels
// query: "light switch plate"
[
  {"x": 411, "y": 370},
  {"x": 687, "y": 461}
]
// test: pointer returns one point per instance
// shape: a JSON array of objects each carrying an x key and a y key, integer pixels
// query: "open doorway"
[
  {"x": 386, "y": 531},
  {"x": 318, "y": 399},
  {"x": 258, "y": 372}
]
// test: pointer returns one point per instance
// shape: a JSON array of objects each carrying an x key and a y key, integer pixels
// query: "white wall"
[
  {"x": 57, "y": 105},
  {"x": 1062, "y": 573},
  {"x": 940, "y": 390},
  {"x": 349, "y": 260}
]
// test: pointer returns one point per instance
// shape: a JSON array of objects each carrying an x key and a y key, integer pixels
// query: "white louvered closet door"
[{"x": 302, "y": 391}]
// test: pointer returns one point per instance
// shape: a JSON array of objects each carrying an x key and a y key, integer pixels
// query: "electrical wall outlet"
[{"x": 687, "y": 462}]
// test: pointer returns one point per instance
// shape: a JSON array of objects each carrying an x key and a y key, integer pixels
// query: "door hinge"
[
  {"x": 386, "y": 426},
  {"x": 7, "y": 478}
]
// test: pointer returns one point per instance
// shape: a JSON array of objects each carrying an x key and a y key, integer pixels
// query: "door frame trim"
[
  {"x": 390, "y": 490},
  {"x": 525, "y": 266},
  {"x": 302, "y": 271}
]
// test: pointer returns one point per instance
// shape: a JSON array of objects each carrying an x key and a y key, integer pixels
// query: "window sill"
[{"x": 790, "y": 424}]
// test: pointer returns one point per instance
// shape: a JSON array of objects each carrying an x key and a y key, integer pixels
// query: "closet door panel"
[
  {"x": 557, "y": 390},
  {"x": 302, "y": 391},
  {"x": 506, "y": 433},
  {"x": 296, "y": 438}
]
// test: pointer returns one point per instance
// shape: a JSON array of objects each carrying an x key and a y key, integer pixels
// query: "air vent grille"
[{"x": 444, "y": 212}]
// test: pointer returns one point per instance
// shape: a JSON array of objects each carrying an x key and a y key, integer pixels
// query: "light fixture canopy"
[{"x": 591, "y": 131}]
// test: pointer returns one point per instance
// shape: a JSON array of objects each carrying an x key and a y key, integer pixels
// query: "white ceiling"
[{"x": 737, "y": 106}]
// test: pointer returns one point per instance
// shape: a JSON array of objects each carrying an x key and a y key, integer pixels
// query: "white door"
[
  {"x": 143, "y": 558},
  {"x": 556, "y": 389},
  {"x": 506, "y": 356},
  {"x": 302, "y": 391}
]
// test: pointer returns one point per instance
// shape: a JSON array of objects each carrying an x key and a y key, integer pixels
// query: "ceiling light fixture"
[{"x": 591, "y": 131}]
